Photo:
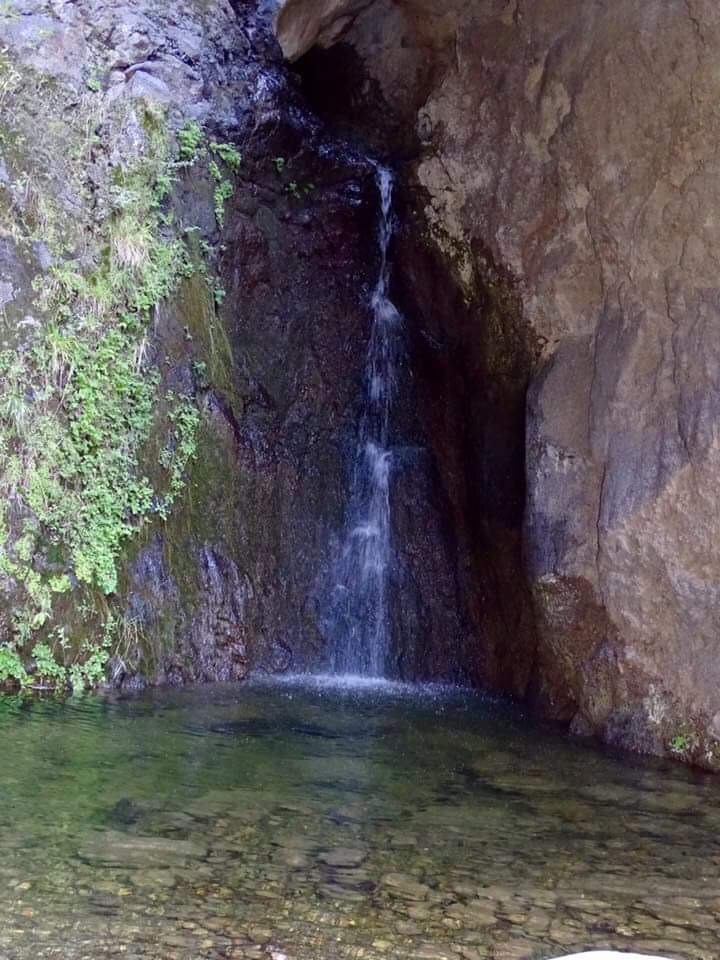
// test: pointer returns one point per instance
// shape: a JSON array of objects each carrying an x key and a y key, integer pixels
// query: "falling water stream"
[{"x": 359, "y": 607}]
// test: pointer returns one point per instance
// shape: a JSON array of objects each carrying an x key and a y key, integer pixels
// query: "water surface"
[{"x": 311, "y": 821}]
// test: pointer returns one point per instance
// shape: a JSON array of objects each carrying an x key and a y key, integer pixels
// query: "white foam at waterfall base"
[
  {"x": 354, "y": 683},
  {"x": 341, "y": 681}
]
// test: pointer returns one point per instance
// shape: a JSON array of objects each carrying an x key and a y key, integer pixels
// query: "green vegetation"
[
  {"x": 190, "y": 140},
  {"x": 94, "y": 82},
  {"x": 175, "y": 458},
  {"x": 229, "y": 154},
  {"x": 223, "y": 192},
  {"x": 224, "y": 189},
  {"x": 296, "y": 189},
  {"x": 80, "y": 408},
  {"x": 11, "y": 666},
  {"x": 680, "y": 743},
  {"x": 78, "y": 405},
  {"x": 59, "y": 664},
  {"x": 192, "y": 145},
  {"x": 47, "y": 666},
  {"x": 93, "y": 447}
]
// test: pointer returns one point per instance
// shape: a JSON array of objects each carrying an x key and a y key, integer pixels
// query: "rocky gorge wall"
[
  {"x": 187, "y": 247},
  {"x": 186, "y": 255},
  {"x": 174, "y": 403},
  {"x": 562, "y": 159}
]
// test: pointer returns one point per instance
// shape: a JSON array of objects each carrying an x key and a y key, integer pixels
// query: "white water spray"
[{"x": 359, "y": 622}]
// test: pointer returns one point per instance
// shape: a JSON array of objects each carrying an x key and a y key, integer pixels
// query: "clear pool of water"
[{"x": 311, "y": 821}]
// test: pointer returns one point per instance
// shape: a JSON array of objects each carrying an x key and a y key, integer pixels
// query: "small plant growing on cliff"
[
  {"x": 185, "y": 418},
  {"x": 46, "y": 666},
  {"x": 298, "y": 191},
  {"x": 223, "y": 191},
  {"x": 200, "y": 374},
  {"x": 228, "y": 154},
  {"x": 92, "y": 670},
  {"x": 279, "y": 163},
  {"x": 11, "y": 667},
  {"x": 680, "y": 743},
  {"x": 190, "y": 140}
]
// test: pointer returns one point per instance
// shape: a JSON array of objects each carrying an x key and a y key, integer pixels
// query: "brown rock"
[{"x": 572, "y": 148}]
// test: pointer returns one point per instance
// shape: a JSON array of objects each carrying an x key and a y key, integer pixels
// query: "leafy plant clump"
[
  {"x": 193, "y": 145},
  {"x": 224, "y": 190},
  {"x": 298, "y": 191},
  {"x": 11, "y": 666},
  {"x": 681, "y": 743},
  {"x": 295, "y": 188},
  {"x": 229, "y": 154},
  {"x": 190, "y": 140}
]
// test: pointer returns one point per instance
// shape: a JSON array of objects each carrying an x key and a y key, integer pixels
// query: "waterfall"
[{"x": 359, "y": 625}]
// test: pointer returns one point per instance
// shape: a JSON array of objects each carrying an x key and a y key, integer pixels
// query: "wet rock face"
[
  {"x": 283, "y": 385},
  {"x": 465, "y": 402},
  {"x": 265, "y": 338},
  {"x": 573, "y": 147},
  {"x": 297, "y": 275}
]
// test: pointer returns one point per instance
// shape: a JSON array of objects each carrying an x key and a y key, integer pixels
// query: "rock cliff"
[
  {"x": 175, "y": 403},
  {"x": 186, "y": 255},
  {"x": 563, "y": 161}
]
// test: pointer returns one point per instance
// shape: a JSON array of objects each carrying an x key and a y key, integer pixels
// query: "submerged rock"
[
  {"x": 114, "y": 849},
  {"x": 343, "y": 857},
  {"x": 404, "y": 886}
]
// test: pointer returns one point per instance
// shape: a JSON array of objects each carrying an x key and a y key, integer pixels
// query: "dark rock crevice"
[
  {"x": 470, "y": 360},
  {"x": 462, "y": 607}
]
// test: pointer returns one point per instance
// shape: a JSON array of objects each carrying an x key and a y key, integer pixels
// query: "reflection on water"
[{"x": 309, "y": 821}]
